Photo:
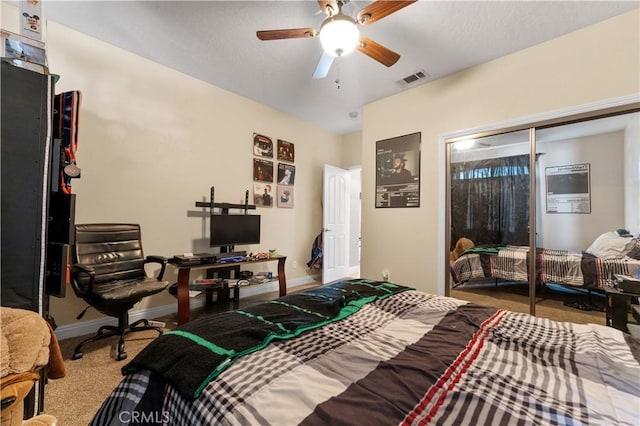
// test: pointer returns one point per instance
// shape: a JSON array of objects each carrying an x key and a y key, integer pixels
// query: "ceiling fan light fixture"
[
  {"x": 464, "y": 145},
  {"x": 339, "y": 35}
]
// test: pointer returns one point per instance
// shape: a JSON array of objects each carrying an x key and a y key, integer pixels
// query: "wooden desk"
[{"x": 184, "y": 310}]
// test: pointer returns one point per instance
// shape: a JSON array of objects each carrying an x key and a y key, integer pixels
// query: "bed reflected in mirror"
[{"x": 585, "y": 184}]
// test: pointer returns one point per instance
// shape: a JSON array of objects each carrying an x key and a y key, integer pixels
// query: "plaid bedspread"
[
  {"x": 553, "y": 266},
  {"x": 411, "y": 358},
  {"x": 218, "y": 343}
]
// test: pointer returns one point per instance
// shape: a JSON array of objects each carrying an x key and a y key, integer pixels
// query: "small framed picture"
[
  {"x": 286, "y": 174},
  {"x": 262, "y": 146},
  {"x": 262, "y": 170},
  {"x": 285, "y": 196},
  {"x": 263, "y": 194},
  {"x": 286, "y": 151}
]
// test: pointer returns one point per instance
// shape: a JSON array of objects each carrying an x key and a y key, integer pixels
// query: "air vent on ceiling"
[{"x": 413, "y": 78}]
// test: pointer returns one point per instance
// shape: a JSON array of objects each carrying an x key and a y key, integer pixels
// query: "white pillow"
[{"x": 610, "y": 244}]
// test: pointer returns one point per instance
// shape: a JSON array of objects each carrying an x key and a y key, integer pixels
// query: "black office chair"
[{"x": 109, "y": 274}]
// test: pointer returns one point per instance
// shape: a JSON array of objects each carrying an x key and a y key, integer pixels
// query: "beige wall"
[
  {"x": 151, "y": 143},
  {"x": 597, "y": 63},
  {"x": 351, "y": 150}
]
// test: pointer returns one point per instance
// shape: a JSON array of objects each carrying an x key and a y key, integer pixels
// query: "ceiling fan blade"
[
  {"x": 377, "y": 51},
  {"x": 379, "y": 9},
  {"x": 324, "y": 64},
  {"x": 284, "y": 34},
  {"x": 326, "y": 4}
]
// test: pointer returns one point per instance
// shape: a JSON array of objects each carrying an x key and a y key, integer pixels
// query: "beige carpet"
[
  {"x": 549, "y": 304},
  {"x": 76, "y": 398}
]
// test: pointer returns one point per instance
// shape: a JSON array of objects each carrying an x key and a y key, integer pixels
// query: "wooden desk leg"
[
  {"x": 184, "y": 313},
  {"x": 282, "y": 280}
]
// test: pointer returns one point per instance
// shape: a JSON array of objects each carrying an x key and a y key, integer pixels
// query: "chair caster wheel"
[
  {"x": 121, "y": 356},
  {"x": 77, "y": 355}
]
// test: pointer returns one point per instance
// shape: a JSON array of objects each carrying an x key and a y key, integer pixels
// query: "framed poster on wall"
[
  {"x": 263, "y": 194},
  {"x": 286, "y": 151},
  {"x": 398, "y": 171},
  {"x": 262, "y": 170},
  {"x": 568, "y": 189},
  {"x": 286, "y": 174},
  {"x": 285, "y": 196},
  {"x": 262, "y": 146}
]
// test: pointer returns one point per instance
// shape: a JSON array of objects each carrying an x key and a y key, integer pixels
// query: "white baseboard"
[{"x": 91, "y": 326}]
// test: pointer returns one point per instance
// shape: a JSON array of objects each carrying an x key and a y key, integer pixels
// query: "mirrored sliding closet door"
[
  {"x": 545, "y": 194},
  {"x": 489, "y": 211}
]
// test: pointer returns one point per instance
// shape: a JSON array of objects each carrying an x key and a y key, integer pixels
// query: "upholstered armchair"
[
  {"x": 109, "y": 274},
  {"x": 27, "y": 346}
]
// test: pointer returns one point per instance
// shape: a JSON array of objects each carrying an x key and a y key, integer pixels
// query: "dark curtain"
[{"x": 490, "y": 201}]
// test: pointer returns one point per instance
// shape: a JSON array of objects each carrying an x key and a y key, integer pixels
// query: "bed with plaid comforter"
[
  {"x": 565, "y": 267},
  {"x": 410, "y": 358}
]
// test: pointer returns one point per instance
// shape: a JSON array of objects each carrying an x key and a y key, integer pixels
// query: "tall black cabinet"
[{"x": 26, "y": 165}]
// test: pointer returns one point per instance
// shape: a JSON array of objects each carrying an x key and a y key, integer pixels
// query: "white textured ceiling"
[{"x": 216, "y": 41}]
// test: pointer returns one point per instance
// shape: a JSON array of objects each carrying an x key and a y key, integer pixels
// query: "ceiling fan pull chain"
[{"x": 337, "y": 81}]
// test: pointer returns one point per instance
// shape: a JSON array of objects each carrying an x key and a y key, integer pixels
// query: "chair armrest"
[
  {"x": 78, "y": 268},
  {"x": 158, "y": 259}
]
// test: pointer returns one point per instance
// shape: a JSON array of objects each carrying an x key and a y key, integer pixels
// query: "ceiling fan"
[{"x": 339, "y": 34}]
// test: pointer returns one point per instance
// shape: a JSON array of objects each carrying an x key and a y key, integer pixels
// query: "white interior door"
[{"x": 335, "y": 224}]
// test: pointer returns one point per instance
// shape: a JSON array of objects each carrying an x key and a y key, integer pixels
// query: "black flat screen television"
[{"x": 233, "y": 229}]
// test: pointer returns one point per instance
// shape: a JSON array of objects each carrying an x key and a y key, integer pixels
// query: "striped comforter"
[
  {"x": 412, "y": 358},
  {"x": 565, "y": 267}
]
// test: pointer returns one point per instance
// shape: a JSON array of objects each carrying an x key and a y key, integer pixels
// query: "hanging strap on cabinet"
[{"x": 66, "y": 119}]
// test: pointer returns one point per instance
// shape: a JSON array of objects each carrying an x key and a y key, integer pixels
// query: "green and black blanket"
[{"x": 194, "y": 354}]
